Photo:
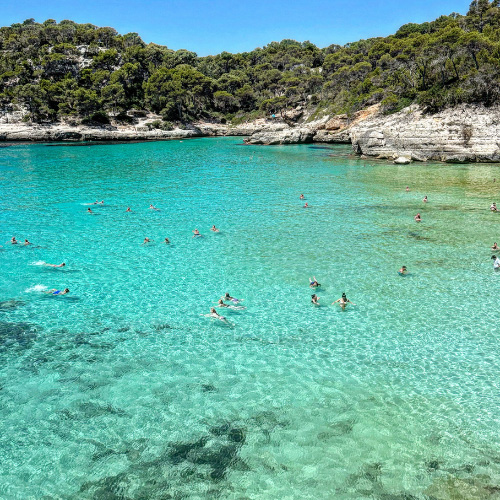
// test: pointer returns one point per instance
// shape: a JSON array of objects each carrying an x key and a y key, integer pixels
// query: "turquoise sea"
[{"x": 122, "y": 389}]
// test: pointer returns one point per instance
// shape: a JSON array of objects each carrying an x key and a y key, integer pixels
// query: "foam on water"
[{"x": 122, "y": 389}]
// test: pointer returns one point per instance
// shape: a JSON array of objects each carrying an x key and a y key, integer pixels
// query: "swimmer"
[
  {"x": 403, "y": 270},
  {"x": 54, "y": 265},
  {"x": 13, "y": 241},
  {"x": 96, "y": 202},
  {"x": 232, "y": 299},
  {"x": 302, "y": 197},
  {"x": 152, "y": 207},
  {"x": 215, "y": 315},
  {"x": 196, "y": 233},
  {"x": 493, "y": 207},
  {"x": 495, "y": 246},
  {"x": 418, "y": 218},
  {"x": 146, "y": 240},
  {"x": 167, "y": 241},
  {"x": 425, "y": 200},
  {"x": 496, "y": 264},
  {"x": 343, "y": 301},
  {"x": 26, "y": 242},
  {"x": 315, "y": 299},
  {"x": 128, "y": 210},
  {"x": 235, "y": 308},
  {"x": 407, "y": 189},
  {"x": 214, "y": 229},
  {"x": 306, "y": 205},
  {"x": 89, "y": 211},
  {"x": 54, "y": 291},
  {"x": 313, "y": 283}
]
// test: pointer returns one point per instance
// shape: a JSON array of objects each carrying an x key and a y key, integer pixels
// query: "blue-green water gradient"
[{"x": 123, "y": 389}]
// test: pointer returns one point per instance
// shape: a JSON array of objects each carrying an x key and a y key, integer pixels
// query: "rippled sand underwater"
[{"x": 123, "y": 389}]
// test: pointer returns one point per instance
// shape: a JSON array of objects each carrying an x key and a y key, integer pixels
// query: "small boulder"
[{"x": 402, "y": 160}]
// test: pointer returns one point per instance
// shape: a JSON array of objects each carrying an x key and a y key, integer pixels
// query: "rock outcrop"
[{"x": 466, "y": 133}]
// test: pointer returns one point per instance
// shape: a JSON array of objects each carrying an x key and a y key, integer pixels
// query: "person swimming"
[
  {"x": 146, "y": 240},
  {"x": 167, "y": 241},
  {"x": 54, "y": 265},
  {"x": 403, "y": 270},
  {"x": 235, "y": 308},
  {"x": 215, "y": 315},
  {"x": 315, "y": 299},
  {"x": 302, "y": 197},
  {"x": 495, "y": 246},
  {"x": 89, "y": 211},
  {"x": 313, "y": 283},
  {"x": 343, "y": 301},
  {"x": 54, "y": 291},
  {"x": 418, "y": 218},
  {"x": 425, "y": 200},
  {"x": 407, "y": 189},
  {"x": 493, "y": 207},
  {"x": 214, "y": 229},
  {"x": 13, "y": 241},
  {"x": 496, "y": 263},
  {"x": 196, "y": 233},
  {"x": 128, "y": 210},
  {"x": 26, "y": 242},
  {"x": 152, "y": 207},
  {"x": 306, "y": 205},
  {"x": 232, "y": 299}
]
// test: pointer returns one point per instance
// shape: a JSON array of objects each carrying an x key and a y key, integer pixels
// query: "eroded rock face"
[
  {"x": 467, "y": 133},
  {"x": 286, "y": 136}
]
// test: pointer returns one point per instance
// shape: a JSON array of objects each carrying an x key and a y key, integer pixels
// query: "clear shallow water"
[{"x": 122, "y": 389}]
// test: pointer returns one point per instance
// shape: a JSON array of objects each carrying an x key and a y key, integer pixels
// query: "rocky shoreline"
[{"x": 464, "y": 134}]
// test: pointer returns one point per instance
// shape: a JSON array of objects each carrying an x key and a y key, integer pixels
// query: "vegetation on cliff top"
[{"x": 79, "y": 71}]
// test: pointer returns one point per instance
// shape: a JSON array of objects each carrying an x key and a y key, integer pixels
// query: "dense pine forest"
[{"x": 83, "y": 73}]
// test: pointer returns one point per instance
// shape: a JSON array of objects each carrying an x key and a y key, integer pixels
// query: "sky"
[{"x": 209, "y": 27}]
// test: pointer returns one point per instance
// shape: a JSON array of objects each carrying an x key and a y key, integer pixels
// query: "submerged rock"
[
  {"x": 11, "y": 304},
  {"x": 17, "y": 335}
]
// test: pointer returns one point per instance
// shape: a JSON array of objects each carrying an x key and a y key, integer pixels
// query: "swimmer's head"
[
  {"x": 220, "y": 301},
  {"x": 63, "y": 264},
  {"x": 403, "y": 267},
  {"x": 344, "y": 296},
  {"x": 212, "y": 309},
  {"x": 493, "y": 256},
  {"x": 227, "y": 295},
  {"x": 66, "y": 290},
  {"x": 313, "y": 296}
]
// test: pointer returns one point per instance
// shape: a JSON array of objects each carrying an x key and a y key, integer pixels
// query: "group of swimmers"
[
  {"x": 13, "y": 241},
  {"x": 343, "y": 301},
  {"x": 234, "y": 306}
]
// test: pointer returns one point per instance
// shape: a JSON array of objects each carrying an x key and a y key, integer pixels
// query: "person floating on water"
[
  {"x": 493, "y": 207},
  {"x": 403, "y": 270},
  {"x": 96, "y": 202},
  {"x": 54, "y": 265},
  {"x": 55, "y": 291},
  {"x": 214, "y": 229},
  {"x": 196, "y": 233},
  {"x": 167, "y": 241},
  {"x": 215, "y": 315},
  {"x": 315, "y": 299},
  {"x": 226, "y": 296},
  {"x": 425, "y": 200},
  {"x": 13, "y": 241},
  {"x": 146, "y": 240},
  {"x": 496, "y": 263},
  {"x": 128, "y": 210},
  {"x": 407, "y": 189},
  {"x": 418, "y": 218},
  {"x": 495, "y": 246},
  {"x": 343, "y": 301},
  {"x": 306, "y": 205},
  {"x": 89, "y": 211},
  {"x": 26, "y": 242},
  {"x": 235, "y": 308},
  {"x": 313, "y": 283},
  {"x": 152, "y": 207},
  {"x": 302, "y": 197}
]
